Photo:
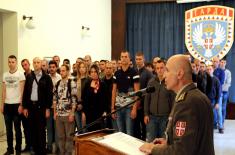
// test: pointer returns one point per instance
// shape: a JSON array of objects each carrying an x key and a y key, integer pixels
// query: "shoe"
[
  {"x": 221, "y": 131},
  {"x": 8, "y": 153}
]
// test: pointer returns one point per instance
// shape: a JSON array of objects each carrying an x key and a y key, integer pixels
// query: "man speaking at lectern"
[{"x": 190, "y": 126}]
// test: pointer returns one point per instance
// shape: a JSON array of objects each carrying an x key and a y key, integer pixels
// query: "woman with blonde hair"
[{"x": 81, "y": 79}]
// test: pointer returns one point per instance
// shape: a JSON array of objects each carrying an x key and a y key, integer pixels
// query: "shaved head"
[
  {"x": 37, "y": 64},
  {"x": 181, "y": 62},
  {"x": 178, "y": 72}
]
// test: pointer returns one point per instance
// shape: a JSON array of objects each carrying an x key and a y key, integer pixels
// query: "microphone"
[{"x": 142, "y": 91}]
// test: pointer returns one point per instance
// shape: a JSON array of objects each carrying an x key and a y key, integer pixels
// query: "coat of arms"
[{"x": 209, "y": 31}]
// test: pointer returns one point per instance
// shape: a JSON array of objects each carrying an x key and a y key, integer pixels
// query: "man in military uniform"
[{"x": 190, "y": 127}]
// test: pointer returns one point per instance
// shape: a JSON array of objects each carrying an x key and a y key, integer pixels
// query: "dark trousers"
[
  {"x": 11, "y": 117},
  {"x": 25, "y": 123},
  {"x": 37, "y": 123},
  {"x": 139, "y": 125}
]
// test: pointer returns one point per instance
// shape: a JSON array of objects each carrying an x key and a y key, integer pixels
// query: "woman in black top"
[{"x": 94, "y": 103}]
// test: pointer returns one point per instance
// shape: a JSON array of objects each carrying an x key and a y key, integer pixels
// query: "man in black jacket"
[{"x": 37, "y": 101}]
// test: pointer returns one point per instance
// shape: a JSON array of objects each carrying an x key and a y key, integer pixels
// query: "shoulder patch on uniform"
[
  {"x": 181, "y": 97},
  {"x": 180, "y": 128}
]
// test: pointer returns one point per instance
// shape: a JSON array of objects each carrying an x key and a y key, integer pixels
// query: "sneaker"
[
  {"x": 221, "y": 131},
  {"x": 8, "y": 153}
]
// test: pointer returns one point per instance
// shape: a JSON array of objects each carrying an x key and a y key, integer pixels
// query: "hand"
[
  {"x": 2, "y": 108},
  {"x": 133, "y": 113},
  {"x": 147, "y": 148},
  {"x": 217, "y": 106},
  {"x": 146, "y": 120},
  {"x": 20, "y": 109},
  {"x": 159, "y": 141},
  {"x": 47, "y": 113},
  {"x": 71, "y": 117},
  {"x": 26, "y": 113},
  {"x": 114, "y": 116}
]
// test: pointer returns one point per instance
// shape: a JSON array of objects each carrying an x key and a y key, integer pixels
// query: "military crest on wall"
[{"x": 209, "y": 31}]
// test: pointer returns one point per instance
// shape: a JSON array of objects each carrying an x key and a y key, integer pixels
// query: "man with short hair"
[
  {"x": 213, "y": 93},
  {"x": 26, "y": 66},
  {"x": 65, "y": 98},
  {"x": 56, "y": 58},
  {"x": 219, "y": 73},
  {"x": 51, "y": 134},
  {"x": 37, "y": 101},
  {"x": 25, "y": 122},
  {"x": 155, "y": 59},
  {"x": 203, "y": 79},
  {"x": 108, "y": 80},
  {"x": 145, "y": 76},
  {"x": 225, "y": 86},
  {"x": 126, "y": 80},
  {"x": 157, "y": 105},
  {"x": 88, "y": 61},
  {"x": 45, "y": 65},
  {"x": 190, "y": 129},
  {"x": 11, "y": 107},
  {"x": 102, "y": 69},
  {"x": 114, "y": 64}
]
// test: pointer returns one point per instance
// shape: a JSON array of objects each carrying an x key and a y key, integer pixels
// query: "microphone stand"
[{"x": 106, "y": 116}]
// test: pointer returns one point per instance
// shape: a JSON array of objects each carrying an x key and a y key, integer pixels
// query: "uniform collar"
[{"x": 182, "y": 92}]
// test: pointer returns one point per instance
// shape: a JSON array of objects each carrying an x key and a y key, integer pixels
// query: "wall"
[
  {"x": 58, "y": 28},
  {"x": 1, "y": 61}
]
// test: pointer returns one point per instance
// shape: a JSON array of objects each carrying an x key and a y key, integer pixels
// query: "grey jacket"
[{"x": 158, "y": 103}]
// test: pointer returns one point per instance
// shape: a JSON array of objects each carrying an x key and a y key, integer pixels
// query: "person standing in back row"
[{"x": 126, "y": 80}]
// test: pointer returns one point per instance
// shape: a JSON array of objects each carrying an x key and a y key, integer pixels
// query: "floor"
[{"x": 224, "y": 143}]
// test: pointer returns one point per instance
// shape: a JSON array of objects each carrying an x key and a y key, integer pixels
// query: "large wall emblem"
[{"x": 209, "y": 31}]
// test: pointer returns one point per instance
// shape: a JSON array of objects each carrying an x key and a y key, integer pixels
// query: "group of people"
[
  {"x": 214, "y": 80},
  {"x": 54, "y": 104}
]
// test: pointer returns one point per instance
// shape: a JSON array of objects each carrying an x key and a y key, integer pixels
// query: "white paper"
[{"x": 122, "y": 142}]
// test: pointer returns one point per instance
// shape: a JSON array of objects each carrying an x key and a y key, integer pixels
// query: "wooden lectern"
[{"x": 84, "y": 145}]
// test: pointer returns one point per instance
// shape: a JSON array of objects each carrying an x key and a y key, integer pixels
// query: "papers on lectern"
[{"x": 122, "y": 142}]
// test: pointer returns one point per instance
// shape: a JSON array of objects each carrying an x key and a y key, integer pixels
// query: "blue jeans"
[
  {"x": 156, "y": 127},
  {"x": 125, "y": 122},
  {"x": 224, "y": 104},
  {"x": 78, "y": 120},
  {"x": 11, "y": 116},
  {"x": 218, "y": 120}
]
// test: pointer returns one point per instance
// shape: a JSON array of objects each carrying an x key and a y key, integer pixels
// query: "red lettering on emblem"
[{"x": 180, "y": 128}]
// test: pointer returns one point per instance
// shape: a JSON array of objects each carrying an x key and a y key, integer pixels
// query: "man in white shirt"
[{"x": 11, "y": 107}]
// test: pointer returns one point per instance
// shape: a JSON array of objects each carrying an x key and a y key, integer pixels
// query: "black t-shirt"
[{"x": 125, "y": 80}]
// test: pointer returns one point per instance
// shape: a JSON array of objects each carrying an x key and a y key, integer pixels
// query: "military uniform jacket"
[{"x": 190, "y": 127}]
